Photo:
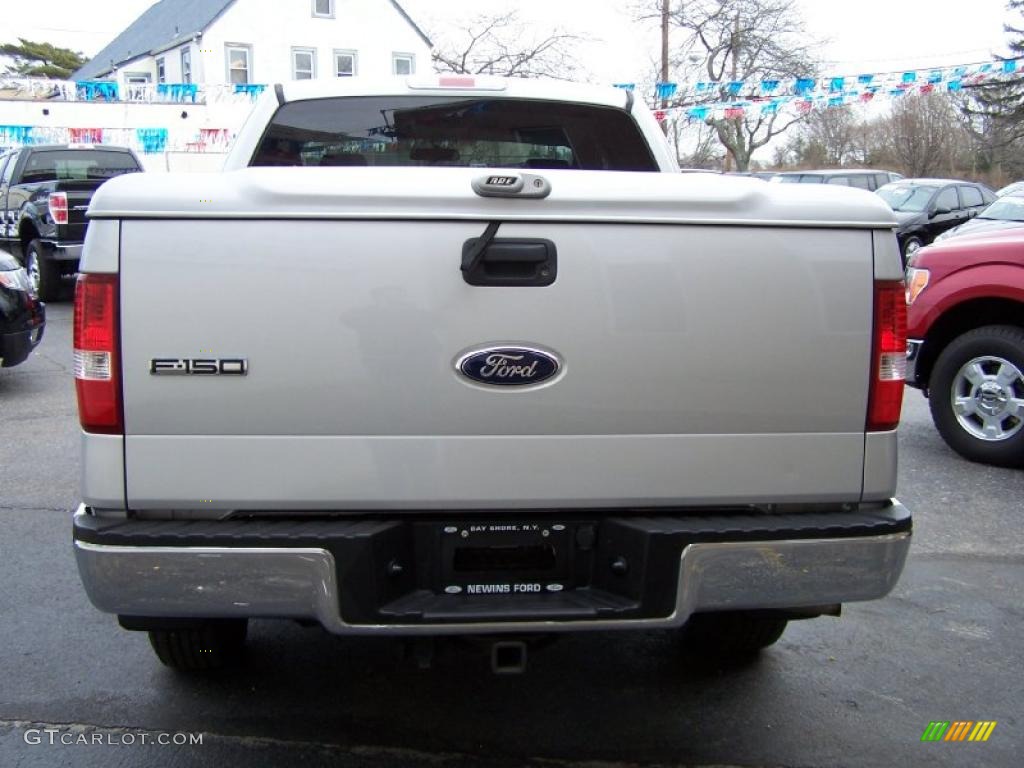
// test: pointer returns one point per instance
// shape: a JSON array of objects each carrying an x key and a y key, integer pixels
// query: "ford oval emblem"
[{"x": 508, "y": 366}]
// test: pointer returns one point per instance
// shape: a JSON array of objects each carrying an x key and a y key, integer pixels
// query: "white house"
[{"x": 262, "y": 41}]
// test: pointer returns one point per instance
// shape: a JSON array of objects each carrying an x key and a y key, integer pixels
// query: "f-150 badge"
[
  {"x": 508, "y": 366},
  {"x": 192, "y": 366}
]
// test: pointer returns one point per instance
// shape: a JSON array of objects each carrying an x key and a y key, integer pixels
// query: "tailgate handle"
[{"x": 510, "y": 262}]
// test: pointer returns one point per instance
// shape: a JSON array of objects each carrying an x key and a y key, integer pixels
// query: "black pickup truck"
[{"x": 44, "y": 193}]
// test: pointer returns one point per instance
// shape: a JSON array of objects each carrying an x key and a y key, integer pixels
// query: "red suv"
[{"x": 966, "y": 342}]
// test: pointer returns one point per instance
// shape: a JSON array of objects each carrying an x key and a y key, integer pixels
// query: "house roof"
[
  {"x": 169, "y": 23},
  {"x": 163, "y": 25}
]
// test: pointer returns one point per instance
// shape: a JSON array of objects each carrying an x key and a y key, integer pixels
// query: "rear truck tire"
[
  {"x": 44, "y": 274},
  {"x": 976, "y": 395},
  {"x": 211, "y": 645},
  {"x": 730, "y": 634}
]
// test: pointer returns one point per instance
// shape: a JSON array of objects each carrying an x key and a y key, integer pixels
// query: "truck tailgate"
[{"x": 708, "y": 357}]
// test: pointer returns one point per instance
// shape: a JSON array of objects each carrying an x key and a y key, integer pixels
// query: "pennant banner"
[
  {"x": 736, "y": 99},
  {"x": 143, "y": 140},
  {"x": 39, "y": 89}
]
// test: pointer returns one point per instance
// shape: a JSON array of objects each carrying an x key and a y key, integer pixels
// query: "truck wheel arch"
[
  {"x": 960, "y": 319},
  {"x": 27, "y": 232}
]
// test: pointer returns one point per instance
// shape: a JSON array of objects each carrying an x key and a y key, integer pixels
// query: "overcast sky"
[{"x": 861, "y": 35}]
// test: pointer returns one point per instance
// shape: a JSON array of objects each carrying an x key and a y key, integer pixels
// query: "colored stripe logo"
[{"x": 958, "y": 730}]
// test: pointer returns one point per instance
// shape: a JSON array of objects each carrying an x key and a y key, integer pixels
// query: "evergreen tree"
[
  {"x": 33, "y": 59},
  {"x": 995, "y": 110}
]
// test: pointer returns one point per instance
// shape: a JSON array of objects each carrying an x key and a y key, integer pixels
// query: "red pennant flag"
[
  {"x": 213, "y": 135},
  {"x": 803, "y": 106},
  {"x": 660, "y": 116},
  {"x": 85, "y": 135},
  {"x": 865, "y": 97},
  {"x": 927, "y": 88},
  {"x": 731, "y": 113}
]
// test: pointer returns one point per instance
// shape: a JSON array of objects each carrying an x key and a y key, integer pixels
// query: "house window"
[
  {"x": 161, "y": 70},
  {"x": 345, "y": 63},
  {"x": 403, "y": 64},
  {"x": 239, "y": 64},
  {"x": 186, "y": 65},
  {"x": 303, "y": 63},
  {"x": 323, "y": 9}
]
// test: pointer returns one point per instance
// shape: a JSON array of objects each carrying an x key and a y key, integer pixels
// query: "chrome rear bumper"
[{"x": 303, "y": 583}]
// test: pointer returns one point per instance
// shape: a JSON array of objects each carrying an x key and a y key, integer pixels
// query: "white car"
[{"x": 1016, "y": 188}]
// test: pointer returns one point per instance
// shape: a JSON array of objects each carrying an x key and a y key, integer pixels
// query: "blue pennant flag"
[
  {"x": 252, "y": 89},
  {"x": 865, "y": 79},
  {"x": 735, "y": 87},
  {"x": 837, "y": 84},
  {"x": 836, "y": 101},
  {"x": 803, "y": 86},
  {"x": 91, "y": 90},
  {"x": 935, "y": 76},
  {"x": 153, "y": 140},
  {"x": 910, "y": 77},
  {"x": 955, "y": 85},
  {"x": 666, "y": 90},
  {"x": 770, "y": 108},
  {"x": 769, "y": 86},
  {"x": 178, "y": 91},
  {"x": 626, "y": 86},
  {"x": 698, "y": 113},
  {"x": 15, "y": 134},
  {"x": 1010, "y": 65}
]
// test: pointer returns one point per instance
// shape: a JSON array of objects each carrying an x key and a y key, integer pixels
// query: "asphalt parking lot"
[{"x": 854, "y": 691}]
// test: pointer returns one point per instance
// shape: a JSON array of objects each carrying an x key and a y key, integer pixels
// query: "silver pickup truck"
[{"x": 469, "y": 357}]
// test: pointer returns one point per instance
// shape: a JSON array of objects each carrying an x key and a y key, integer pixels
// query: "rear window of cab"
[
  {"x": 415, "y": 131},
  {"x": 76, "y": 165}
]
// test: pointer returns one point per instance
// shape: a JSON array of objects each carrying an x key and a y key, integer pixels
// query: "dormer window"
[{"x": 323, "y": 9}]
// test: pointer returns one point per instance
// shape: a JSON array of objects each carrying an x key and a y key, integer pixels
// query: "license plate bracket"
[{"x": 503, "y": 558}]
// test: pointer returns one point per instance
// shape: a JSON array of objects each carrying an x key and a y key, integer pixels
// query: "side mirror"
[{"x": 939, "y": 211}]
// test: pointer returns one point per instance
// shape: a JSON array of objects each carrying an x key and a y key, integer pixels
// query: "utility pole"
[
  {"x": 664, "y": 56},
  {"x": 735, "y": 45}
]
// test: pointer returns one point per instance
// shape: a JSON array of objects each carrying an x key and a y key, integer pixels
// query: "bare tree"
[
  {"x": 748, "y": 41},
  {"x": 923, "y": 133},
  {"x": 502, "y": 45},
  {"x": 828, "y": 137},
  {"x": 703, "y": 151},
  {"x": 835, "y": 128}
]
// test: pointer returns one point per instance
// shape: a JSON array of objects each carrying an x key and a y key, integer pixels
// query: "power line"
[{"x": 930, "y": 57}]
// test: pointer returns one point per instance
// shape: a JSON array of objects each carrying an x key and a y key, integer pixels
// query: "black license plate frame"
[{"x": 504, "y": 558}]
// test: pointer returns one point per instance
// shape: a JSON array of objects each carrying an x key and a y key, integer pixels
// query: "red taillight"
[
  {"x": 58, "y": 205},
  {"x": 888, "y": 356},
  {"x": 97, "y": 363}
]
